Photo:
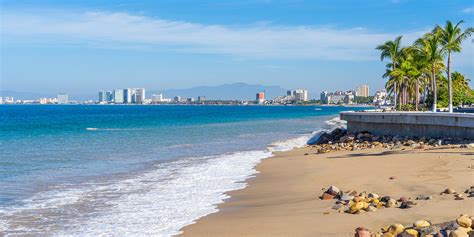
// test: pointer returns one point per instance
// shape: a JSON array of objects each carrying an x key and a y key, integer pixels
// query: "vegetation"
[
  {"x": 415, "y": 72},
  {"x": 363, "y": 100}
]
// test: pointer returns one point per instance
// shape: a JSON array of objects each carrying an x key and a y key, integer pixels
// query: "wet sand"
[{"x": 283, "y": 199}]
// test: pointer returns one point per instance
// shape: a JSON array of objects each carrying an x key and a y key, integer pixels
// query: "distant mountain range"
[{"x": 234, "y": 91}]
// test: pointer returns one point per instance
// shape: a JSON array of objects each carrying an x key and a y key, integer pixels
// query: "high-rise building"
[
  {"x": 260, "y": 97},
  {"x": 102, "y": 97},
  {"x": 138, "y": 97},
  {"x": 177, "y": 98},
  {"x": 110, "y": 96},
  {"x": 63, "y": 98},
  {"x": 300, "y": 95},
  {"x": 118, "y": 96},
  {"x": 324, "y": 97},
  {"x": 362, "y": 91},
  {"x": 201, "y": 98},
  {"x": 127, "y": 95}
]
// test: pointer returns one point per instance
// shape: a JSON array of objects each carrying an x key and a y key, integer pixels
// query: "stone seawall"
[{"x": 425, "y": 124}]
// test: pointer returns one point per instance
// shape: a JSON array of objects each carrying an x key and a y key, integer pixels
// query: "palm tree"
[
  {"x": 461, "y": 88},
  {"x": 451, "y": 37},
  {"x": 428, "y": 49},
  {"x": 391, "y": 50}
]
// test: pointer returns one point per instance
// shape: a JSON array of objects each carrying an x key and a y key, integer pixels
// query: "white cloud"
[
  {"x": 126, "y": 31},
  {"x": 468, "y": 10}
]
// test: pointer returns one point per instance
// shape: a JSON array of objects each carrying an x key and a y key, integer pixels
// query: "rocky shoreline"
[
  {"x": 340, "y": 140},
  {"x": 353, "y": 202}
]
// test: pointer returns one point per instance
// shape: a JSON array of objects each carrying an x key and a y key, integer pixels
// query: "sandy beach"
[{"x": 283, "y": 199}]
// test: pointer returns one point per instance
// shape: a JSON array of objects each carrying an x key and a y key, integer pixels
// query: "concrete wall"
[{"x": 411, "y": 124}]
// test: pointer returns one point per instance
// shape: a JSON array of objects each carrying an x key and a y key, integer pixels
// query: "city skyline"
[{"x": 80, "y": 46}]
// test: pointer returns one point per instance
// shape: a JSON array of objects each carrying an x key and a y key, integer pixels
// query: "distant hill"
[{"x": 234, "y": 91}]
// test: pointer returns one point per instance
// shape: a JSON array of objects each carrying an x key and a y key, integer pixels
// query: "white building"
[
  {"x": 8, "y": 100},
  {"x": 301, "y": 95},
  {"x": 63, "y": 98},
  {"x": 118, "y": 96},
  {"x": 338, "y": 97},
  {"x": 157, "y": 98},
  {"x": 362, "y": 91},
  {"x": 381, "y": 97}
]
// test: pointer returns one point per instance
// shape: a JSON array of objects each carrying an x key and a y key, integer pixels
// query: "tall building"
[
  {"x": 324, "y": 97},
  {"x": 118, "y": 96},
  {"x": 362, "y": 91},
  {"x": 109, "y": 96},
  {"x": 260, "y": 97},
  {"x": 138, "y": 97},
  {"x": 63, "y": 98},
  {"x": 201, "y": 98},
  {"x": 300, "y": 95},
  {"x": 177, "y": 98},
  {"x": 127, "y": 95},
  {"x": 102, "y": 97}
]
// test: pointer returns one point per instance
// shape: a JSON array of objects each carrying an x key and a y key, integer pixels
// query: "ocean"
[{"x": 136, "y": 170}]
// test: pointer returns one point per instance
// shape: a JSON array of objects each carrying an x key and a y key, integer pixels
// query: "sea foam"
[{"x": 160, "y": 202}]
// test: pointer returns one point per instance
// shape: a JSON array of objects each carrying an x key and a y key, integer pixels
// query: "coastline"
[{"x": 283, "y": 198}]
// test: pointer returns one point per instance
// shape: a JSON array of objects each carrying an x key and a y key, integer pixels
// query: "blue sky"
[{"x": 84, "y": 46}]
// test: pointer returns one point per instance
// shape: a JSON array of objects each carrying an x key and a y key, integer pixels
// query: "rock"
[
  {"x": 362, "y": 232},
  {"x": 371, "y": 209},
  {"x": 387, "y": 235},
  {"x": 333, "y": 190},
  {"x": 430, "y": 230},
  {"x": 337, "y": 207},
  {"x": 390, "y": 203},
  {"x": 458, "y": 197},
  {"x": 396, "y": 229},
  {"x": 373, "y": 195},
  {"x": 327, "y": 196},
  {"x": 421, "y": 224},
  {"x": 356, "y": 207},
  {"x": 306, "y": 154},
  {"x": 458, "y": 233},
  {"x": 393, "y": 177},
  {"x": 407, "y": 204},
  {"x": 408, "y": 233},
  {"x": 449, "y": 191},
  {"x": 346, "y": 197},
  {"x": 346, "y": 138},
  {"x": 423, "y": 197},
  {"x": 464, "y": 221}
]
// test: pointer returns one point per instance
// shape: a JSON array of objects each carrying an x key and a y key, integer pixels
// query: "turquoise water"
[{"x": 75, "y": 168}]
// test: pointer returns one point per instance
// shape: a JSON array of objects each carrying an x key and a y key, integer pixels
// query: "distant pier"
[{"x": 420, "y": 124}]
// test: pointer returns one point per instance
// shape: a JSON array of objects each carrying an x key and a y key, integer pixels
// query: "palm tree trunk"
[
  {"x": 435, "y": 94},
  {"x": 450, "y": 89},
  {"x": 395, "y": 97},
  {"x": 417, "y": 94}
]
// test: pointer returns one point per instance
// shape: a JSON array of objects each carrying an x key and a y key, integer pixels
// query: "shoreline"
[{"x": 282, "y": 199}]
